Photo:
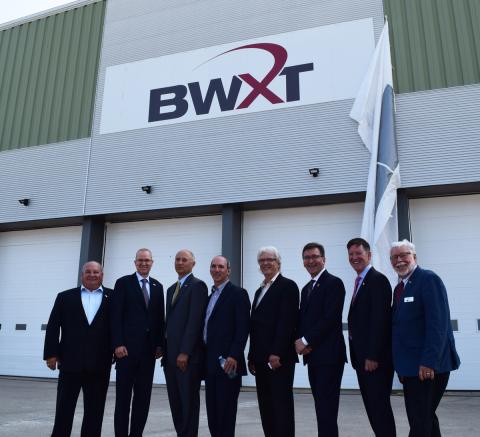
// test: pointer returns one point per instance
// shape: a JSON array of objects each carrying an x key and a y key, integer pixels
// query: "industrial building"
[{"x": 163, "y": 124}]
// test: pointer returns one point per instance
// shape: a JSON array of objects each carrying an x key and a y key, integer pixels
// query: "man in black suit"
[
  {"x": 183, "y": 360},
  {"x": 370, "y": 332},
  {"x": 77, "y": 341},
  {"x": 137, "y": 320},
  {"x": 225, "y": 334},
  {"x": 320, "y": 337},
  {"x": 272, "y": 356}
]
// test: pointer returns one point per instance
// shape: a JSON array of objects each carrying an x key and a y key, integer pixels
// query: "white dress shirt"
[{"x": 91, "y": 301}]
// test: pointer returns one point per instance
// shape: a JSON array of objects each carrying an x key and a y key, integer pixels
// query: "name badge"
[{"x": 408, "y": 299}]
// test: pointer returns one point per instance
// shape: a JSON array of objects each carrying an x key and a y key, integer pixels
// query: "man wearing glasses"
[
  {"x": 422, "y": 339},
  {"x": 137, "y": 321},
  {"x": 320, "y": 337},
  {"x": 272, "y": 356}
]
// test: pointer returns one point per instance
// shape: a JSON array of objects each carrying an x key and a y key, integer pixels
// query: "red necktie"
[
  {"x": 355, "y": 289},
  {"x": 397, "y": 293}
]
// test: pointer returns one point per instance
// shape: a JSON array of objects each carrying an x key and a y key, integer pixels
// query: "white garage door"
[
  {"x": 446, "y": 233},
  {"x": 289, "y": 230},
  {"x": 34, "y": 266},
  {"x": 201, "y": 235}
]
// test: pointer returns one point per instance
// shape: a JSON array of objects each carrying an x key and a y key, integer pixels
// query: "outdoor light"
[
  {"x": 314, "y": 172},
  {"x": 24, "y": 202},
  {"x": 147, "y": 189}
]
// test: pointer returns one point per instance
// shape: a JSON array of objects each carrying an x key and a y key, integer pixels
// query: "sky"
[{"x": 14, "y": 9}]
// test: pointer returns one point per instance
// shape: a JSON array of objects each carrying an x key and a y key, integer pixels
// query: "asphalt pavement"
[{"x": 27, "y": 408}]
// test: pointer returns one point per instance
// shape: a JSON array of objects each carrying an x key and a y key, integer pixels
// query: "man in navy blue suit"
[
  {"x": 77, "y": 341},
  {"x": 320, "y": 337},
  {"x": 370, "y": 337},
  {"x": 422, "y": 339},
  {"x": 137, "y": 324},
  {"x": 225, "y": 334}
]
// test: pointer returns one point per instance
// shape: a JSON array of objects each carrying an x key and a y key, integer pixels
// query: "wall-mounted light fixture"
[
  {"x": 314, "y": 172},
  {"x": 24, "y": 202},
  {"x": 147, "y": 189}
]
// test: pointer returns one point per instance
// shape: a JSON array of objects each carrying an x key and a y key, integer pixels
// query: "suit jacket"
[
  {"x": 227, "y": 329},
  {"x": 273, "y": 323},
  {"x": 133, "y": 324},
  {"x": 421, "y": 330},
  {"x": 321, "y": 321},
  {"x": 77, "y": 345},
  {"x": 185, "y": 320},
  {"x": 370, "y": 321}
]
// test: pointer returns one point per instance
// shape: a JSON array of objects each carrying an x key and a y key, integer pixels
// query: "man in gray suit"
[{"x": 185, "y": 308}]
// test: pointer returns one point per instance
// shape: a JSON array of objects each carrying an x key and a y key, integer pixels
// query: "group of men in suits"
[{"x": 201, "y": 336}]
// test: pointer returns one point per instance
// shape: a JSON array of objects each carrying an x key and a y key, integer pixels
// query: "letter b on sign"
[{"x": 176, "y": 98}]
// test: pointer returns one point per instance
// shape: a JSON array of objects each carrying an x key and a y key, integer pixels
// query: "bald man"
[
  {"x": 77, "y": 342},
  {"x": 185, "y": 312}
]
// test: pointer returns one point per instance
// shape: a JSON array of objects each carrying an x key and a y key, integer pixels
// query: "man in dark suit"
[
  {"x": 272, "y": 356},
  {"x": 320, "y": 338},
  {"x": 137, "y": 320},
  {"x": 77, "y": 341},
  {"x": 422, "y": 339},
  {"x": 369, "y": 331},
  {"x": 225, "y": 334},
  {"x": 183, "y": 360}
]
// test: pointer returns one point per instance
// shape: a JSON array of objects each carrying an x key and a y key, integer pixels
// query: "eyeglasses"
[
  {"x": 266, "y": 260},
  {"x": 401, "y": 256},
  {"x": 312, "y": 257}
]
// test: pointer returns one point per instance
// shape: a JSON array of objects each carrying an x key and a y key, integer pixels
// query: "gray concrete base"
[{"x": 27, "y": 408}]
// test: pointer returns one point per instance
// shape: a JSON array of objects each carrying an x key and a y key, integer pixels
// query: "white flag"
[{"x": 374, "y": 111}]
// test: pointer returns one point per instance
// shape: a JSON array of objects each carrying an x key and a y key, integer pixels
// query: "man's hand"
[
  {"x": 425, "y": 373},
  {"x": 121, "y": 351},
  {"x": 182, "y": 361},
  {"x": 158, "y": 353},
  {"x": 274, "y": 361},
  {"x": 371, "y": 365},
  {"x": 230, "y": 365},
  {"x": 300, "y": 346},
  {"x": 51, "y": 363},
  {"x": 251, "y": 367}
]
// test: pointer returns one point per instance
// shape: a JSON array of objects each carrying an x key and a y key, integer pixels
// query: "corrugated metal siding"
[
  {"x": 48, "y": 71},
  {"x": 435, "y": 43},
  {"x": 265, "y": 155},
  {"x": 438, "y": 135},
  {"x": 52, "y": 176}
]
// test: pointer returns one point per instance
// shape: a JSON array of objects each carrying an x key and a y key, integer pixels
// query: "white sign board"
[{"x": 308, "y": 66}]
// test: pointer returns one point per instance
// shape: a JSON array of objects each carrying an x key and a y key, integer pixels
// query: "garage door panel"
[
  {"x": 36, "y": 265},
  {"x": 201, "y": 235},
  {"x": 289, "y": 230},
  {"x": 447, "y": 237}
]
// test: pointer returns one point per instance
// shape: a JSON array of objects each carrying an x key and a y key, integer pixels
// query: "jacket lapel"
[
  {"x": 78, "y": 303},
  {"x": 219, "y": 300},
  {"x": 102, "y": 305}
]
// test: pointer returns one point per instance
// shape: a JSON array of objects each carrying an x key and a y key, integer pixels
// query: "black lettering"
[
  {"x": 292, "y": 79},
  {"x": 177, "y": 101},
  {"x": 215, "y": 87}
]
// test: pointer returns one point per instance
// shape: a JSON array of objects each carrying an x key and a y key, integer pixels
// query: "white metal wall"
[
  {"x": 35, "y": 266},
  {"x": 446, "y": 233},
  {"x": 201, "y": 235},
  {"x": 289, "y": 230}
]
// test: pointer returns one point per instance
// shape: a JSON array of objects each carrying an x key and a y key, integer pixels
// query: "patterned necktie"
[
  {"x": 355, "y": 289},
  {"x": 176, "y": 292},
  {"x": 397, "y": 294},
  {"x": 145, "y": 292}
]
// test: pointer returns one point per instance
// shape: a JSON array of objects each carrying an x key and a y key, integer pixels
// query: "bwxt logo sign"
[{"x": 171, "y": 102}]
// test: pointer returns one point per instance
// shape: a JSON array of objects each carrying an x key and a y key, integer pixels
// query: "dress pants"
[
  {"x": 133, "y": 373},
  {"x": 275, "y": 399},
  {"x": 221, "y": 395},
  {"x": 183, "y": 390},
  {"x": 421, "y": 402},
  {"x": 94, "y": 386},
  {"x": 325, "y": 382},
  {"x": 376, "y": 388}
]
